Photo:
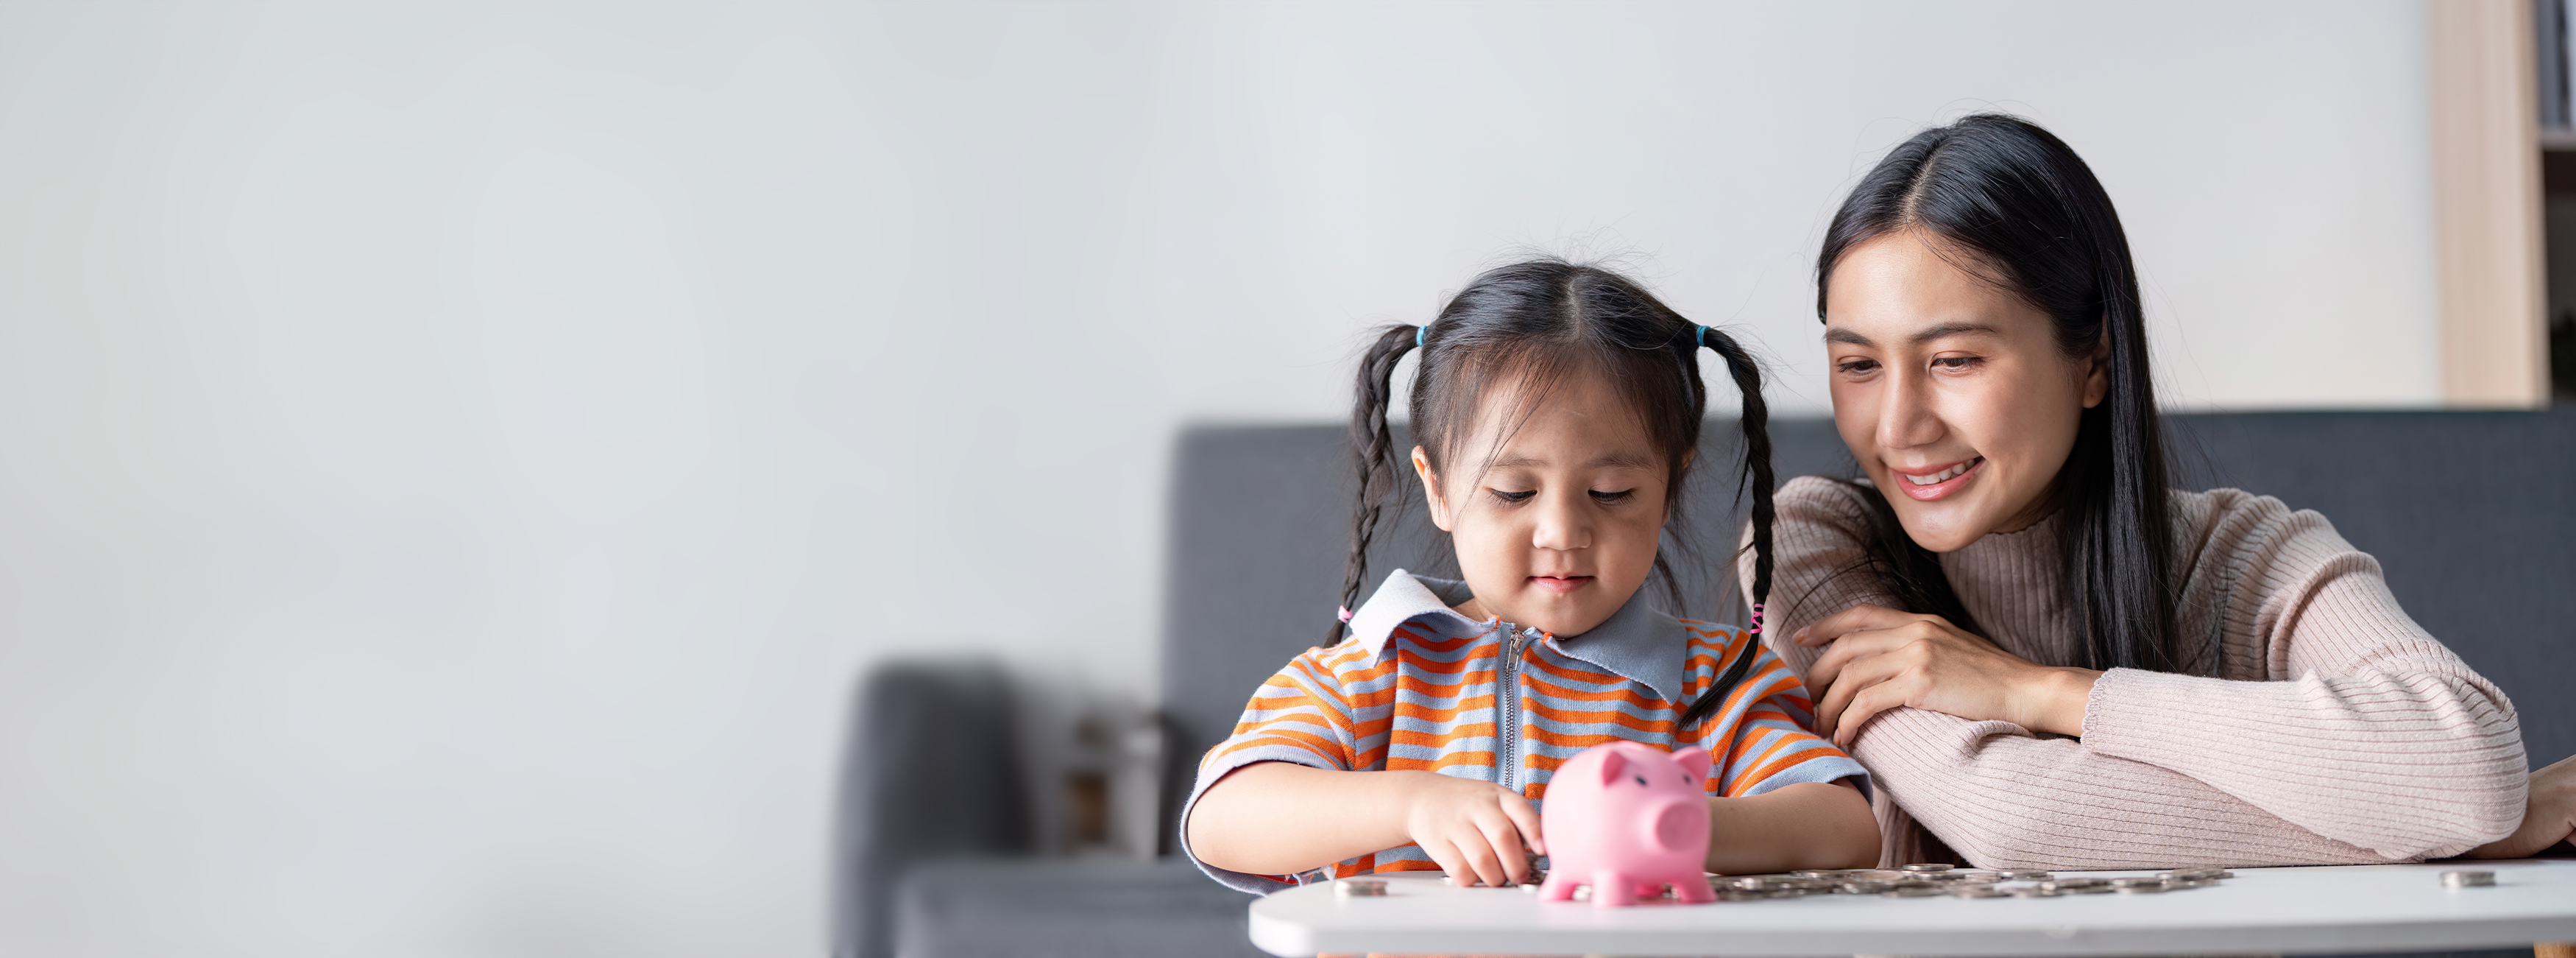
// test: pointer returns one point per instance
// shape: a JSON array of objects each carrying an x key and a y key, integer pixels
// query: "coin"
[
  {"x": 1821, "y": 873},
  {"x": 1359, "y": 888},
  {"x": 2024, "y": 874},
  {"x": 1927, "y": 868},
  {"x": 2468, "y": 879},
  {"x": 1976, "y": 891},
  {"x": 1912, "y": 891},
  {"x": 2033, "y": 891}
]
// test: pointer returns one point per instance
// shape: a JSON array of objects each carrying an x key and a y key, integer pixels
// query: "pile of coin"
[{"x": 1922, "y": 881}]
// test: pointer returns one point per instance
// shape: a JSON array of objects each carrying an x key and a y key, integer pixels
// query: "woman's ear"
[
  {"x": 2097, "y": 371},
  {"x": 1431, "y": 489}
]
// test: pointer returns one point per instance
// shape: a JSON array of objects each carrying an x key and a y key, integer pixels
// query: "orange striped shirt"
[{"x": 1418, "y": 686}]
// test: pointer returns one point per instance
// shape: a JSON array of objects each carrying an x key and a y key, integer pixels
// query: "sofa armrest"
[{"x": 930, "y": 768}]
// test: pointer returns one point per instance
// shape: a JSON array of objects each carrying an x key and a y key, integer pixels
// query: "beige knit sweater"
[{"x": 2340, "y": 732}]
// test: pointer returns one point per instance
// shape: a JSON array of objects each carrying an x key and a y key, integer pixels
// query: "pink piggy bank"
[{"x": 1627, "y": 819}]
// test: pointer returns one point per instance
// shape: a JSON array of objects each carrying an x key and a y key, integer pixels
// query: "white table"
[{"x": 2351, "y": 908}]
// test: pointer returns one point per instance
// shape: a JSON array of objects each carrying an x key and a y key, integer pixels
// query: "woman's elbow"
[{"x": 2472, "y": 811}]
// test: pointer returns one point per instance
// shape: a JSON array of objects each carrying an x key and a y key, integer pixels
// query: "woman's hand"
[
  {"x": 2548, "y": 819},
  {"x": 1475, "y": 830},
  {"x": 1881, "y": 659}
]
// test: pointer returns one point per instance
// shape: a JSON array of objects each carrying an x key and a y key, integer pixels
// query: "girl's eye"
[
  {"x": 1854, "y": 367},
  {"x": 1613, "y": 498},
  {"x": 1955, "y": 363},
  {"x": 1513, "y": 498}
]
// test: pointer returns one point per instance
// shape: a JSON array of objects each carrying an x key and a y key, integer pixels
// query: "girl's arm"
[
  {"x": 1277, "y": 818},
  {"x": 1806, "y": 825}
]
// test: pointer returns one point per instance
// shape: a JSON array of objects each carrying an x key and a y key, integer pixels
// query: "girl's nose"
[{"x": 1562, "y": 523}]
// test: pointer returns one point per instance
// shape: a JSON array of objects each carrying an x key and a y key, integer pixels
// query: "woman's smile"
[{"x": 1933, "y": 482}]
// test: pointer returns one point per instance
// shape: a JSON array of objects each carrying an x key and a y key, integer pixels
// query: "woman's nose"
[
  {"x": 1905, "y": 415},
  {"x": 1562, "y": 523}
]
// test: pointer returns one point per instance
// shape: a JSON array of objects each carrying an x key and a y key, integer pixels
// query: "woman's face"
[
  {"x": 1951, "y": 391},
  {"x": 1562, "y": 529}
]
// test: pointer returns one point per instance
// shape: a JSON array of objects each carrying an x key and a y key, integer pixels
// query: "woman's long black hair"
[
  {"x": 2012, "y": 204},
  {"x": 1521, "y": 330}
]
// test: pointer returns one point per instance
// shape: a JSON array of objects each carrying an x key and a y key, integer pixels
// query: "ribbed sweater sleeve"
[
  {"x": 2341, "y": 732},
  {"x": 2361, "y": 726}
]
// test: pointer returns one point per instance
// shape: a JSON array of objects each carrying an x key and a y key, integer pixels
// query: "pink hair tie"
[
  {"x": 1757, "y": 618},
  {"x": 1346, "y": 613}
]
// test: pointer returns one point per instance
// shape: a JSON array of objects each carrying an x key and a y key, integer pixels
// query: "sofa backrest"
[{"x": 2471, "y": 514}]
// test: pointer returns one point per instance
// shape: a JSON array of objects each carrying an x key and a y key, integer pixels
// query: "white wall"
[{"x": 454, "y": 459}]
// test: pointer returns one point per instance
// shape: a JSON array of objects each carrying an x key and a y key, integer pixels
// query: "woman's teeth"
[{"x": 1944, "y": 475}]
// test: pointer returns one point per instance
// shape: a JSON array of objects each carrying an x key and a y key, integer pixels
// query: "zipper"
[{"x": 1507, "y": 708}]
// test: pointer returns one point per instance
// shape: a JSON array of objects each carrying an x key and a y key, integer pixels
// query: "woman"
[{"x": 2046, "y": 656}]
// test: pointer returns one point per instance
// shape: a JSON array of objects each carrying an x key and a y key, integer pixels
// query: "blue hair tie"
[
  {"x": 1418, "y": 333},
  {"x": 1703, "y": 337}
]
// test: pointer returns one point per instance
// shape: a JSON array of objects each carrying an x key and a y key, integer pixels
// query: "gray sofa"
[{"x": 2473, "y": 515}]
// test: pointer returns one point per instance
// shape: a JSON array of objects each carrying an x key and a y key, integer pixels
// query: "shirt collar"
[{"x": 1639, "y": 642}]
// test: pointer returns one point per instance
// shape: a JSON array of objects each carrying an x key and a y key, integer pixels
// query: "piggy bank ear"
[
  {"x": 1612, "y": 763},
  {"x": 1694, "y": 763}
]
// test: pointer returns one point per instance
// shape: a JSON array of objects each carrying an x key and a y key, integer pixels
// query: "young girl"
[{"x": 1556, "y": 409}]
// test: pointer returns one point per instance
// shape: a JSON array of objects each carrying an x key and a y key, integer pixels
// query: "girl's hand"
[
  {"x": 1882, "y": 659},
  {"x": 2549, "y": 819},
  {"x": 1475, "y": 830}
]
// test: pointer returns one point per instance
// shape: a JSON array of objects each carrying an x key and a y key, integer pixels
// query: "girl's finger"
[
  {"x": 1505, "y": 840},
  {"x": 1478, "y": 853},
  {"x": 1526, "y": 819},
  {"x": 1446, "y": 856}
]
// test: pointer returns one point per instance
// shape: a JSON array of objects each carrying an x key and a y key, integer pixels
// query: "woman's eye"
[
  {"x": 1612, "y": 498},
  {"x": 1513, "y": 498},
  {"x": 1957, "y": 362},
  {"x": 1853, "y": 367}
]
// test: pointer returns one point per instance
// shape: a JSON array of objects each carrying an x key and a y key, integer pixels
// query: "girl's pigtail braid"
[
  {"x": 1756, "y": 424},
  {"x": 1373, "y": 453}
]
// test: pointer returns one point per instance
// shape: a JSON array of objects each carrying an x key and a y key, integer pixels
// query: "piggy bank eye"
[{"x": 1641, "y": 780}]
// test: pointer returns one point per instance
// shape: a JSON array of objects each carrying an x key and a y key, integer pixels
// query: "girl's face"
[
  {"x": 1562, "y": 529},
  {"x": 1951, "y": 392}
]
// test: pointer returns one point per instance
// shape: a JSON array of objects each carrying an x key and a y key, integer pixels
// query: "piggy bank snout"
[{"x": 1677, "y": 826}]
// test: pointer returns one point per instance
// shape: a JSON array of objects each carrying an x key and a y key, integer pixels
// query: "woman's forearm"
[
  {"x": 1276, "y": 818},
  {"x": 2005, "y": 799},
  {"x": 1807, "y": 825}
]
